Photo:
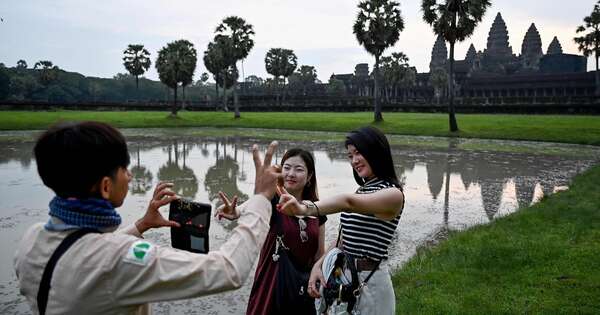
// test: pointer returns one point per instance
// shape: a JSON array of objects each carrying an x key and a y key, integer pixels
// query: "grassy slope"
[
  {"x": 569, "y": 129},
  {"x": 542, "y": 259}
]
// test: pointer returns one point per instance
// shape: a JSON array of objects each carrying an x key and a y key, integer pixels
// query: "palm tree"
[
  {"x": 307, "y": 76},
  {"x": 217, "y": 59},
  {"x": 214, "y": 63},
  {"x": 48, "y": 71},
  {"x": 393, "y": 69},
  {"x": 454, "y": 20},
  {"x": 240, "y": 34},
  {"x": 21, "y": 64},
  {"x": 280, "y": 62},
  {"x": 136, "y": 61},
  {"x": 377, "y": 27},
  {"x": 203, "y": 78},
  {"x": 589, "y": 44},
  {"x": 175, "y": 64},
  {"x": 226, "y": 80},
  {"x": 438, "y": 78}
]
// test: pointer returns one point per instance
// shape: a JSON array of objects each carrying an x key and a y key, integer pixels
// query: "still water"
[{"x": 446, "y": 187}]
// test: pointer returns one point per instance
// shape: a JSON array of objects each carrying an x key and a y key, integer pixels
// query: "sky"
[{"x": 89, "y": 36}]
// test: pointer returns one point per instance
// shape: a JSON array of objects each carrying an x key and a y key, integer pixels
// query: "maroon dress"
[{"x": 301, "y": 253}]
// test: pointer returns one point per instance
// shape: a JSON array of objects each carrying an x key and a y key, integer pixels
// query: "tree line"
[{"x": 377, "y": 27}]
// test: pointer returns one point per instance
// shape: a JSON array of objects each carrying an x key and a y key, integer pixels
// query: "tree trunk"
[
  {"x": 183, "y": 101},
  {"x": 236, "y": 107},
  {"x": 225, "y": 91},
  {"x": 225, "y": 100},
  {"x": 377, "y": 116},
  {"x": 174, "y": 108},
  {"x": 597, "y": 77},
  {"x": 243, "y": 79},
  {"x": 283, "y": 91},
  {"x": 137, "y": 88},
  {"x": 217, "y": 95},
  {"x": 451, "y": 114}
]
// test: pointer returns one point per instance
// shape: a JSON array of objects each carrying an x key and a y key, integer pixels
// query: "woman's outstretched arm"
[{"x": 385, "y": 204}]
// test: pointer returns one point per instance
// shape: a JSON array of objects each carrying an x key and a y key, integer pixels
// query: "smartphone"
[{"x": 194, "y": 218}]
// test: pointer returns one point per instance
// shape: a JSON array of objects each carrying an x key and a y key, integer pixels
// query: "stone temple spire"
[
  {"x": 471, "y": 54},
  {"x": 439, "y": 54},
  {"x": 555, "y": 48},
  {"x": 531, "y": 50},
  {"x": 497, "y": 43}
]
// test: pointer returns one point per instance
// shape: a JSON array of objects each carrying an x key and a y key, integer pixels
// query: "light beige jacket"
[{"x": 120, "y": 273}]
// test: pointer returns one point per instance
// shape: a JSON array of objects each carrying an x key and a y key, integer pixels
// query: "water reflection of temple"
[{"x": 491, "y": 173}]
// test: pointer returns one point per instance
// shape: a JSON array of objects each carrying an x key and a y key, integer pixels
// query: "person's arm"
[
  {"x": 385, "y": 204},
  {"x": 316, "y": 273},
  {"x": 170, "y": 274},
  {"x": 147, "y": 273}
]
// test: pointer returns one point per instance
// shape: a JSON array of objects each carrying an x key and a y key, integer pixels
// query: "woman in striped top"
[{"x": 368, "y": 221}]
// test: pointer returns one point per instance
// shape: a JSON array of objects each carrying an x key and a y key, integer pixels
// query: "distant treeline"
[{"x": 52, "y": 84}]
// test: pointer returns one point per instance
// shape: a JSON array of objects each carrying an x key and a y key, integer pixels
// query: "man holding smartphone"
[{"x": 79, "y": 263}]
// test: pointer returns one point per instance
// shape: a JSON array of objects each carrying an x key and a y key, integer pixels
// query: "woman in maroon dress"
[{"x": 303, "y": 236}]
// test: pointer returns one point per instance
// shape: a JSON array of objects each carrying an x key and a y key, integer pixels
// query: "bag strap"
[
  {"x": 44, "y": 289},
  {"x": 372, "y": 272}
]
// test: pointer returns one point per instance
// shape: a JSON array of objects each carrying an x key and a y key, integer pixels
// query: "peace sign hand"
[
  {"x": 289, "y": 205},
  {"x": 228, "y": 209},
  {"x": 266, "y": 175}
]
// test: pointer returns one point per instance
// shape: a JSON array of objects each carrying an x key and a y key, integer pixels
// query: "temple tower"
[
  {"x": 439, "y": 54},
  {"x": 497, "y": 43},
  {"x": 471, "y": 54},
  {"x": 531, "y": 50},
  {"x": 555, "y": 48}
]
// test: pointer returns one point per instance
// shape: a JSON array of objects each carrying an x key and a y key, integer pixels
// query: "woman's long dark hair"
[
  {"x": 375, "y": 148},
  {"x": 309, "y": 192}
]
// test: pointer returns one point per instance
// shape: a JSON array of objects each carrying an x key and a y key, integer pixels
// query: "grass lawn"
[
  {"x": 543, "y": 259},
  {"x": 554, "y": 128}
]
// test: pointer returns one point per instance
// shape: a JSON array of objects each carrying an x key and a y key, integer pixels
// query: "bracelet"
[
  {"x": 311, "y": 204},
  {"x": 314, "y": 204}
]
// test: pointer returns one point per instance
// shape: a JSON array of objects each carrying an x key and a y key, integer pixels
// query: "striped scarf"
[{"x": 91, "y": 213}]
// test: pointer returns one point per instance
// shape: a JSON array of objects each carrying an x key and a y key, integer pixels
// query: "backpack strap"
[{"x": 44, "y": 289}]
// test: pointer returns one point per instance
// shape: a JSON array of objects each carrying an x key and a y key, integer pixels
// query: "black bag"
[
  {"x": 291, "y": 294},
  {"x": 194, "y": 218},
  {"x": 335, "y": 291}
]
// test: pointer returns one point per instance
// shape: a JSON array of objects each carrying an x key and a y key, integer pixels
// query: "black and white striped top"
[{"x": 365, "y": 235}]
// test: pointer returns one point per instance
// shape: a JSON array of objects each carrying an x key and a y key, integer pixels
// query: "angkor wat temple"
[{"x": 497, "y": 75}]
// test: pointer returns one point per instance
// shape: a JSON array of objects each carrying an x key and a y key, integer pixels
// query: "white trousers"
[{"x": 376, "y": 298}]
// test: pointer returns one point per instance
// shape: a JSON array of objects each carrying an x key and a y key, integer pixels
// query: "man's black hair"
[
  {"x": 374, "y": 147},
  {"x": 73, "y": 157}
]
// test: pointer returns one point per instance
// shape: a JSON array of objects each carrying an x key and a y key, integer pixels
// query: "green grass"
[
  {"x": 541, "y": 260},
  {"x": 554, "y": 128}
]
